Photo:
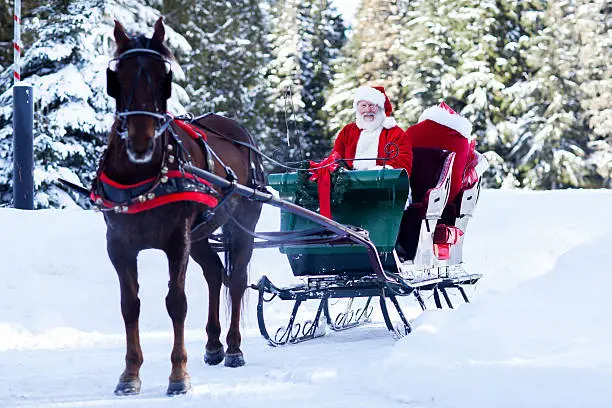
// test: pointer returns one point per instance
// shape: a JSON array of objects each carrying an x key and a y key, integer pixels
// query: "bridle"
[{"x": 113, "y": 88}]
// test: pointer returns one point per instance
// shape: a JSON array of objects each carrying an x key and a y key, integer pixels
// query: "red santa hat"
[
  {"x": 377, "y": 95},
  {"x": 445, "y": 115}
]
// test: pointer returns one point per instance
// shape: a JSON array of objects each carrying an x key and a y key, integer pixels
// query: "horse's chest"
[{"x": 150, "y": 229}]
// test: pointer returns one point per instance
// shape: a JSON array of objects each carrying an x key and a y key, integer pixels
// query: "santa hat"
[
  {"x": 377, "y": 95},
  {"x": 444, "y": 115}
]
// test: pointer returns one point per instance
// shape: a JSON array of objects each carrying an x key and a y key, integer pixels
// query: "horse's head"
[{"x": 140, "y": 80}]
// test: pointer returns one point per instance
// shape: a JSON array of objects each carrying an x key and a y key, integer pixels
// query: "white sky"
[{"x": 348, "y": 8}]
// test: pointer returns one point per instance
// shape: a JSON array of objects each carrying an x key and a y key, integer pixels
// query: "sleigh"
[{"x": 372, "y": 250}]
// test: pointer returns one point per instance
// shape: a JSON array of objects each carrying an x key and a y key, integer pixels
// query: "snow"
[
  {"x": 348, "y": 9},
  {"x": 535, "y": 335}
]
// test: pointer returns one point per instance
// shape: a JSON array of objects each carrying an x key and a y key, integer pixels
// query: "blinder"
[
  {"x": 167, "y": 87},
  {"x": 112, "y": 84},
  {"x": 113, "y": 89}
]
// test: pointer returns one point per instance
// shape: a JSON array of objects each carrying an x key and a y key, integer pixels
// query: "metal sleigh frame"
[{"x": 381, "y": 283}]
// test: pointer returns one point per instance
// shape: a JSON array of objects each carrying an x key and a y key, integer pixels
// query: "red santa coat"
[{"x": 346, "y": 146}]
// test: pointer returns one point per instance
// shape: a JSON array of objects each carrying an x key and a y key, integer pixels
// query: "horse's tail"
[
  {"x": 226, "y": 273},
  {"x": 227, "y": 264}
]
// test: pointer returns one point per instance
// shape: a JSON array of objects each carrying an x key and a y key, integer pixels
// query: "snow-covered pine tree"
[
  {"x": 551, "y": 141},
  {"x": 223, "y": 71},
  {"x": 306, "y": 37},
  {"x": 486, "y": 41},
  {"x": 322, "y": 34},
  {"x": 6, "y": 33},
  {"x": 594, "y": 27},
  {"x": 65, "y": 61},
  {"x": 428, "y": 60},
  {"x": 370, "y": 57},
  {"x": 284, "y": 76}
]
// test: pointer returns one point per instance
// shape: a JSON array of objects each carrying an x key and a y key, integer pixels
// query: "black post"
[{"x": 23, "y": 147}]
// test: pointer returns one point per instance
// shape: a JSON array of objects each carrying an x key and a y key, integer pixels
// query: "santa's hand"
[{"x": 379, "y": 167}]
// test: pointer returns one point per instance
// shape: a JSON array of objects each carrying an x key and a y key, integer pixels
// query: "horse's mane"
[{"x": 141, "y": 41}]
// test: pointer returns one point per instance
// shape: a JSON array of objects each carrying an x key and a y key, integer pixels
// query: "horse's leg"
[
  {"x": 177, "y": 252},
  {"x": 212, "y": 268},
  {"x": 241, "y": 247},
  {"x": 125, "y": 264}
]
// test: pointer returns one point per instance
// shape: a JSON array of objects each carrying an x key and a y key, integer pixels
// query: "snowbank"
[{"x": 534, "y": 336}]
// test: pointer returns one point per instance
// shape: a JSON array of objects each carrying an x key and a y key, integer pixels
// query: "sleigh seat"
[{"x": 430, "y": 183}]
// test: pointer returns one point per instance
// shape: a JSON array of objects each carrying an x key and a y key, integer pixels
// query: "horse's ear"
[
  {"x": 159, "y": 31},
  {"x": 121, "y": 38}
]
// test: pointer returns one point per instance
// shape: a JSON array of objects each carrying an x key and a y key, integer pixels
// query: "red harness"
[
  {"x": 171, "y": 187},
  {"x": 194, "y": 132}
]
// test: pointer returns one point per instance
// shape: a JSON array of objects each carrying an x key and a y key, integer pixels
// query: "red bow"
[{"x": 321, "y": 173}]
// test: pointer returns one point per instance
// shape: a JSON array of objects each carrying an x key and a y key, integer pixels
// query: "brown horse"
[{"x": 149, "y": 201}]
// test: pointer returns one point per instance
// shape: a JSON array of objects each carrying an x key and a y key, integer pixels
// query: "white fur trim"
[
  {"x": 389, "y": 122},
  {"x": 444, "y": 117},
  {"x": 367, "y": 148},
  {"x": 367, "y": 93}
]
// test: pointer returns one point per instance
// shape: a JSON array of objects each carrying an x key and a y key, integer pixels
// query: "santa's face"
[
  {"x": 367, "y": 110},
  {"x": 369, "y": 116}
]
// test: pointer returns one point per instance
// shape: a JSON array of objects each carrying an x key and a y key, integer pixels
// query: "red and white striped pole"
[{"x": 17, "y": 40}]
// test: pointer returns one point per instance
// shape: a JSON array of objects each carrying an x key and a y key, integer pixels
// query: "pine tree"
[
  {"x": 593, "y": 24},
  {"x": 71, "y": 44},
  {"x": 551, "y": 143},
  {"x": 322, "y": 36},
  {"x": 487, "y": 42},
  {"x": 306, "y": 39},
  {"x": 6, "y": 33},
  {"x": 371, "y": 57},
  {"x": 428, "y": 61},
  {"x": 228, "y": 48},
  {"x": 283, "y": 74}
]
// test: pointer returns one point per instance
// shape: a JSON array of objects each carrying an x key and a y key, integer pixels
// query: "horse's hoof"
[
  {"x": 234, "y": 360},
  {"x": 128, "y": 387},
  {"x": 178, "y": 387},
  {"x": 214, "y": 357}
]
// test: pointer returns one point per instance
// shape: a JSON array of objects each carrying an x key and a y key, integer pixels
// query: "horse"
[{"x": 150, "y": 201}]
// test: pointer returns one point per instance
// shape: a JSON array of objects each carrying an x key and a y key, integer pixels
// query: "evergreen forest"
[{"x": 533, "y": 76}]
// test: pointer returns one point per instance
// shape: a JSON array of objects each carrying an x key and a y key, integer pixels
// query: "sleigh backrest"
[
  {"x": 448, "y": 139},
  {"x": 428, "y": 165}
]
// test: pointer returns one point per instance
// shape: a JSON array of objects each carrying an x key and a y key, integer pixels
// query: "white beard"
[
  {"x": 367, "y": 145},
  {"x": 377, "y": 123}
]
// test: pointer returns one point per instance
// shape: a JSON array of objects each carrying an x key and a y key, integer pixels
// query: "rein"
[{"x": 391, "y": 149}]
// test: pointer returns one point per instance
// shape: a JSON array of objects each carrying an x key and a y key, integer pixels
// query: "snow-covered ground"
[{"x": 537, "y": 333}]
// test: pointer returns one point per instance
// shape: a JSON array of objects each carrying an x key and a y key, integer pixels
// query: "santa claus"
[{"x": 374, "y": 138}]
